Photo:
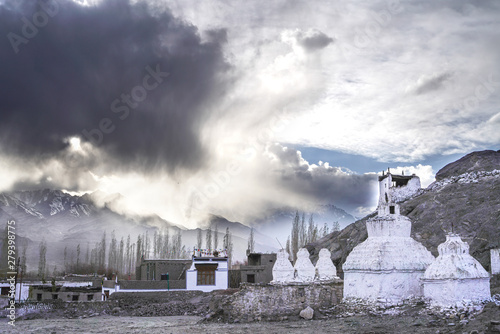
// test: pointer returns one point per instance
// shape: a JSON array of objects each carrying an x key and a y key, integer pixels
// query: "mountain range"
[{"x": 64, "y": 221}]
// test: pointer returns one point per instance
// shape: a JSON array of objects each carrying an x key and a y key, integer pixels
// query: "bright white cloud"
[{"x": 396, "y": 83}]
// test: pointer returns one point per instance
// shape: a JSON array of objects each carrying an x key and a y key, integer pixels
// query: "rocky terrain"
[
  {"x": 465, "y": 198},
  {"x": 413, "y": 317}
]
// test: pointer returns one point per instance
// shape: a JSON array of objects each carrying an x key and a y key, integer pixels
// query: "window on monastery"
[
  {"x": 206, "y": 274},
  {"x": 392, "y": 210},
  {"x": 74, "y": 298},
  {"x": 55, "y": 296},
  {"x": 39, "y": 296},
  {"x": 251, "y": 278},
  {"x": 90, "y": 297}
]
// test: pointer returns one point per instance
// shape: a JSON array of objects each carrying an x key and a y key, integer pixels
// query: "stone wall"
[
  {"x": 150, "y": 285},
  {"x": 271, "y": 301}
]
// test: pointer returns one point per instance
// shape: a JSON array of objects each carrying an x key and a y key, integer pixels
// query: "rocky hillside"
[{"x": 465, "y": 197}]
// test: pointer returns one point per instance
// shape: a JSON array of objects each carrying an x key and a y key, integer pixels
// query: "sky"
[{"x": 241, "y": 108}]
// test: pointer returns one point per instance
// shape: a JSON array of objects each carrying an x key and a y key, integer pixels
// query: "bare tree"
[
  {"x": 138, "y": 249},
  {"x": 325, "y": 230},
  {"x": 177, "y": 245},
  {"x": 66, "y": 269},
  {"x": 199, "y": 242},
  {"x": 5, "y": 247},
  {"x": 216, "y": 236},
  {"x": 128, "y": 262},
  {"x": 78, "y": 258},
  {"x": 287, "y": 247},
  {"x": 312, "y": 230},
  {"x": 102, "y": 253},
  {"x": 336, "y": 226},
  {"x": 228, "y": 246},
  {"x": 302, "y": 231},
  {"x": 43, "y": 261},
  {"x": 87, "y": 254},
  {"x": 295, "y": 236},
  {"x": 113, "y": 253},
  {"x": 251, "y": 242},
  {"x": 120, "y": 256},
  {"x": 159, "y": 245},
  {"x": 208, "y": 239},
  {"x": 166, "y": 244},
  {"x": 23, "y": 258}
]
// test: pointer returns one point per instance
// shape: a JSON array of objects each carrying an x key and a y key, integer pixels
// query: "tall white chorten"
[
  {"x": 455, "y": 275},
  {"x": 283, "y": 271},
  {"x": 389, "y": 263}
]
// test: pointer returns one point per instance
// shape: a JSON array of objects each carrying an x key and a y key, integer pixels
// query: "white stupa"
[
  {"x": 325, "y": 268},
  {"x": 283, "y": 271},
  {"x": 304, "y": 269},
  {"x": 455, "y": 276},
  {"x": 388, "y": 265}
]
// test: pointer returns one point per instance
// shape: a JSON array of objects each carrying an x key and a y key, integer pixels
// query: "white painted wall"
[
  {"x": 400, "y": 194},
  {"x": 390, "y": 285},
  {"x": 495, "y": 261},
  {"x": 448, "y": 292},
  {"x": 21, "y": 290},
  {"x": 221, "y": 276},
  {"x": 397, "y": 194}
]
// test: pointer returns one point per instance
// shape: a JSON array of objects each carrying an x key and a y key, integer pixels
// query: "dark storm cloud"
[
  {"x": 313, "y": 40},
  {"x": 325, "y": 185},
  {"x": 136, "y": 84}
]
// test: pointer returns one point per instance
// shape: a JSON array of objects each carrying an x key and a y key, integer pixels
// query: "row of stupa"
[
  {"x": 303, "y": 271},
  {"x": 391, "y": 266}
]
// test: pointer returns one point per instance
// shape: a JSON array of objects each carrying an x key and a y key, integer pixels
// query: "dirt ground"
[{"x": 416, "y": 323}]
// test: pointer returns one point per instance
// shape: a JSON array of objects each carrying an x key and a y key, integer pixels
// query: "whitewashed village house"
[{"x": 208, "y": 272}]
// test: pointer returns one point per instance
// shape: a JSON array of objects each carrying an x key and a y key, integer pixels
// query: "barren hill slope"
[{"x": 465, "y": 197}]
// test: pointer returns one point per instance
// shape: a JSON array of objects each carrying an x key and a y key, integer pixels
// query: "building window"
[
  {"x": 90, "y": 297},
  {"x": 164, "y": 277},
  {"x": 5, "y": 290},
  {"x": 39, "y": 296},
  {"x": 55, "y": 296},
  {"x": 391, "y": 210},
  {"x": 206, "y": 274},
  {"x": 251, "y": 278},
  {"x": 74, "y": 298}
]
